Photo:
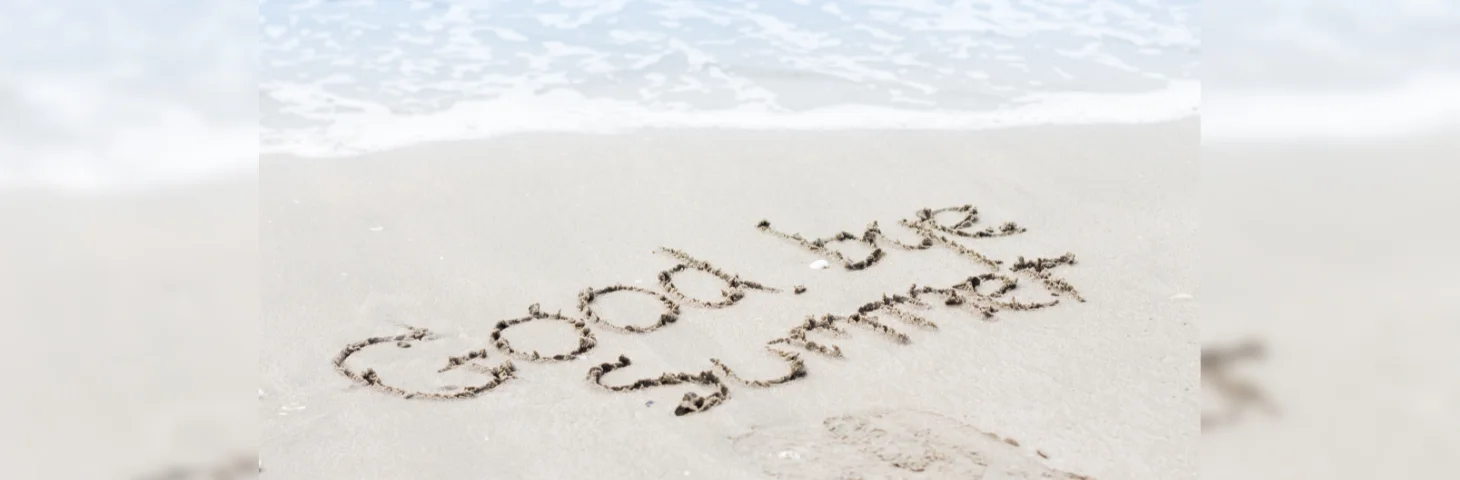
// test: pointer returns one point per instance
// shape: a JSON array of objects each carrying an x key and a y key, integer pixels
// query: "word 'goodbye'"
[{"x": 983, "y": 295}]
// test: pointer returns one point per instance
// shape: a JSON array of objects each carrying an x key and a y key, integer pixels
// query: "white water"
[
  {"x": 1425, "y": 104},
  {"x": 103, "y": 95},
  {"x": 351, "y": 77},
  {"x": 107, "y": 95}
]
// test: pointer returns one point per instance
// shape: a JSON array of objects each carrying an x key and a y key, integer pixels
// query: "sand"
[
  {"x": 131, "y": 332},
  {"x": 453, "y": 239},
  {"x": 1338, "y": 257}
]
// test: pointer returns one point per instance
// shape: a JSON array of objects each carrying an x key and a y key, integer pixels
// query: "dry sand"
[
  {"x": 457, "y": 237},
  {"x": 1339, "y": 257},
  {"x": 131, "y": 332}
]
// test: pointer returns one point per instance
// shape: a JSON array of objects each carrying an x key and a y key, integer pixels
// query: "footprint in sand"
[{"x": 888, "y": 444}]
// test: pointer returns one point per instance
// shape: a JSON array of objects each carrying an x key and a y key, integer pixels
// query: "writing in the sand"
[
  {"x": 1236, "y": 394},
  {"x": 982, "y": 295}
]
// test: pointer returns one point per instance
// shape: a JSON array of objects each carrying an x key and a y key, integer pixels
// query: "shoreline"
[{"x": 1194, "y": 118}]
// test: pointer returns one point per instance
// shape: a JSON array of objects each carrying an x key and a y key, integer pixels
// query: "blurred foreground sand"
[
  {"x": 1338, "y": 256},
  {"x": 132, "y": 331}
]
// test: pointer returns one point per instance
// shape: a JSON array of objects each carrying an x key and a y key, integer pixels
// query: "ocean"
[
  {"x": 133, "y": 94},
  {"x": 346, "y": 77}
]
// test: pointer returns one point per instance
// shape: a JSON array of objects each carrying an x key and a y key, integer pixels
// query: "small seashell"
[{"x": 820, "y": 264}]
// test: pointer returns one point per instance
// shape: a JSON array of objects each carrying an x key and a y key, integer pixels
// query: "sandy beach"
[
  {"x": 947, "y": 378},
  {"x": 1334, "y": 255},
  {"x": 132, "y": 326}
]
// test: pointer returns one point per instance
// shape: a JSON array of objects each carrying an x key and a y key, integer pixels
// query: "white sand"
[
  {"x": 455, "y": 237},
  {"x": 1340, "y": 256},
  {"x": 131, "y": 330}
]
